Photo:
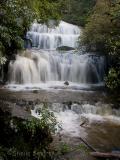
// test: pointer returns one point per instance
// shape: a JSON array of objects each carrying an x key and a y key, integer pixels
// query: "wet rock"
[
  {"x": 57, "y": 107},
  {"x": 14, "y": 110},
  {"x": 12, "y": 57},
  {"x": 35, "y": 91},
  {"x": 21, "y": 102},
  {"x": 2, "y": 82},
  {"x": 65, "y": 48},
  {"x": 76, "y": 108},
  {"x": 66, "y": 83}
]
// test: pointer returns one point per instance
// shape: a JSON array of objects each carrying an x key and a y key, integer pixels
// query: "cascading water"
[
  {"x": 72, "y": 115},
  {"x": 45, "y": 66},
  {"x": 50, "y": 69},
  {"x": 40, "y": 66},
  {"x": 44, "y": 37}
]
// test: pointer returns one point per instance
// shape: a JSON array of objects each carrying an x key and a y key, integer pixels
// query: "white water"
[
  {"x": 54, "y": 86},
  {"x": 50, "y": 69},
  {"x": 43, "y": 66},
  {"x": 44, "y": 37},
  {"x": 70, "y": 117}
]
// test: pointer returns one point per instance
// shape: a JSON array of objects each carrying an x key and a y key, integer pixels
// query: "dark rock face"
[
  {"x": 2, "y": 82},
  {"x": 65, "y": 48},
  {"x": 66, "y": 83},
  {"x": 27, "y": 43}
]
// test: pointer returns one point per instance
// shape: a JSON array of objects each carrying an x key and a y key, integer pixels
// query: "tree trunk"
[{"x": 105, "y": 155}]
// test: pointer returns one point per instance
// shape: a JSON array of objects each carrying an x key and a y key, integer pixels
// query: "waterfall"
[
  {"x": 43, "y": 66},
  {"x": 44, "y": 37}
]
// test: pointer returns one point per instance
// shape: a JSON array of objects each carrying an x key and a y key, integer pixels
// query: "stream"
[
  {"x": 72, "y": 108},
  {"x": 70, "y": 82}
]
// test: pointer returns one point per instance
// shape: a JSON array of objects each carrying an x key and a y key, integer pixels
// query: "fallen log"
[
  {"x": 87, "y": 144},
  {"x": 105, "y": 155}
]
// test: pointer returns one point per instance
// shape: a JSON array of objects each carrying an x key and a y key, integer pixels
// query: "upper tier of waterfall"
[{"x": 44, "y": 37}]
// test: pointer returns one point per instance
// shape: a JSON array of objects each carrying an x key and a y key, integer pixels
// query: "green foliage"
[
  {"x": 2, "y": 60},
  {"x": 46, "y": 10},
  {"x": 32, "y": 136},
  {"x": 16, "y": 17},
  {"x": 99, "y": 26},
  {"x": 47, "y": 118},
  {"x": 102, "y": 29},
  {"x": 64, "y": 148},
  {"x": 77, "y": 11},
  {"x": 102, "y": 34},
  {"x": 113, "y": 79},
  {"x": 113, "y": 42},
  {"x": 83, "y": 148}
]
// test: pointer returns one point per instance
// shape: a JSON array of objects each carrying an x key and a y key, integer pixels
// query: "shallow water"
[
  {"x": 101, "y": 123},
  {"x": 71, "y": 107},
  {"x": 51, "y": 85}
]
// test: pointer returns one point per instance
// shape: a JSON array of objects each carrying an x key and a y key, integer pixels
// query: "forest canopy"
[{"x": 77, "y": 11}]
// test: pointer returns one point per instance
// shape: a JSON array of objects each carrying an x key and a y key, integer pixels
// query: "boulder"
[
  {"x": 65, "y": 48},
  {"x": 66, "y": 83}
]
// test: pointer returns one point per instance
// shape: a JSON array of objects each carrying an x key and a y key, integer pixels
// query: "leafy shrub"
[
  {"x": 113, "y": 79},
  {"x": 30, "y": 138}
]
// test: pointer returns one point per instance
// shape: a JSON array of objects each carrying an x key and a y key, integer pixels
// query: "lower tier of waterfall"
[
  {"x": 35, "y": 67},
  {"x": 72, "y": 116}
]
